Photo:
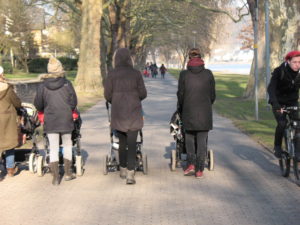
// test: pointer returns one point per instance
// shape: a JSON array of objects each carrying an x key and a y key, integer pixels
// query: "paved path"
[{"x": 245, "y": 187}]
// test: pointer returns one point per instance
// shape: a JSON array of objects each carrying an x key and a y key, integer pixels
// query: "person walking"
[
  {"x": 9, "y": 137},
  {"x": 162, "y": 70},
  {"x": 196, "y": 94},
  {"x": 124, "y": 88},
  {"x": 283, "y": 91},
  {"x": 56, "y": 97}
]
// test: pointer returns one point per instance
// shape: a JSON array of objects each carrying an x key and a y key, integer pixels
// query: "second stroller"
[{"x": 111, "y": 161}]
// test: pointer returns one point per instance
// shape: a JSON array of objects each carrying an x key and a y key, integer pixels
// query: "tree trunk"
[
  {"x": 114, "y": 19},
  {"x": 284, "y": 24},
  {"x": 103, "y": 55},
  {"x": 88, "y": 77},
  {"x": 123, "y": 38}
]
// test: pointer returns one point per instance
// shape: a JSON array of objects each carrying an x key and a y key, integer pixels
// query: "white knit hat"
[
  {"x": 1, "y": 70},
  {"x": 55, "y": 66}
]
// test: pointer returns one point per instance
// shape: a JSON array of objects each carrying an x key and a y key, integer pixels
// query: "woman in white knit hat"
[{"x": 56, "y": 97}]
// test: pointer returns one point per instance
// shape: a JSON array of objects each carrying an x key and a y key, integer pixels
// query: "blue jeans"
[{"x": 10, "y": 158}]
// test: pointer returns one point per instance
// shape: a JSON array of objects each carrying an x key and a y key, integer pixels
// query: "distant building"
[{"x": 36, "y": 16}]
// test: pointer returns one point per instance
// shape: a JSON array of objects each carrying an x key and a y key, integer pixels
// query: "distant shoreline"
[{"x": 230, "y": 67}]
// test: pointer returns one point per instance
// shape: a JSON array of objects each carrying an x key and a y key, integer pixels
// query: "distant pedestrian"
[
  {"x": 162, "y": 70},
  {"x": 124, "y": 88},
  {"x": 9, "y": 137},
  {"x": 196, "y": 94},
  {"x": 155, "y": 70},
  {"x": 283, "y": 92},
  {"x": 146, "y": 70},
  {"x": 56, "y": 97}
]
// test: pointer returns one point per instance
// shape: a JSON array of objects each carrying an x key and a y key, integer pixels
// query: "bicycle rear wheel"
[{"x": 296, "y": 170}]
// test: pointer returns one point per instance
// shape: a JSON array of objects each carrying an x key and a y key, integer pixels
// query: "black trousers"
[
  {"x": 127, "y": 149},
  {"x": 279, "y": 131},
  {"x": 196, "y": 147}
]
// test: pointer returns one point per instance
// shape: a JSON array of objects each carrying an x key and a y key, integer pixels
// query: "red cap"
[{"x": 291, "y": 55}]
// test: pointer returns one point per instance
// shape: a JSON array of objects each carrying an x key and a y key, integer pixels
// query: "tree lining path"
[{"x": 245, "y": 187}]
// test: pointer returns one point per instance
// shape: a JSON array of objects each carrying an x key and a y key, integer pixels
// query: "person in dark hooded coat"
[
  {"x": 56, "y": 98},
  {"x": 124, "y": 88},
  {"x": 196, "y": 94}
]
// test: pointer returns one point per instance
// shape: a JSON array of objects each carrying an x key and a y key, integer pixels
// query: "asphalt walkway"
[{"x": 245, "y": 188}]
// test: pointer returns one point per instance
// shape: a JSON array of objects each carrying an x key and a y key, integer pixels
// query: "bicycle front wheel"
[{"x": 285, "y": 164}]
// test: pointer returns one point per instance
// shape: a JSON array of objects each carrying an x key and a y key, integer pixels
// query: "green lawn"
[
  {"x": 231, "y": 104},
  {"x": 27, "y": 76},
  {"x": 84, "y": 102}
]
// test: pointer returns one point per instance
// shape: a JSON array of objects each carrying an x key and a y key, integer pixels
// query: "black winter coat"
[
  {"x": 196, "y": 94},
  {"x": 56, "y": 97},
  {"x": 124, "y": 88},
  {"x": 283, "y": 88}
]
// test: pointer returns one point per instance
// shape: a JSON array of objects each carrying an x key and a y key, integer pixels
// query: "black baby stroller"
[
  {"x": 179, "y": 154},
  {"x": 40, "y": 162},
  {"x": 111, "y": 161}
]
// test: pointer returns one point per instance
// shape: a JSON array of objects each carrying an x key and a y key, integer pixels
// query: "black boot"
[
  {"x": 68, "y": 170},
  {"x": 55, "y": 173},
  {"x": 277, "y": 152},
  {"x": 297, "y": 145}
]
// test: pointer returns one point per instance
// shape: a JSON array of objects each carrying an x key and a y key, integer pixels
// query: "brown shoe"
[{"x": 12, "y": 171}]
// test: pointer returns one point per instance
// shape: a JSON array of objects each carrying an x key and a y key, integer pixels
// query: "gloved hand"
[
  {"x": 41, "y": 117},
  {"x": 276, "y": 106}
]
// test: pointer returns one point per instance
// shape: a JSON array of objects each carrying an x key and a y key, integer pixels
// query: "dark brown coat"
[
  {"x": 9, "y": 101},
  {"x": 196, "y": 94},
  {"x": 125, "y": 89}
]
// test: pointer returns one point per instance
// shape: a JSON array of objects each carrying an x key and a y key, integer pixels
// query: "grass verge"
[
  {"x": 231, "y": 104},
  {"x": 84, "y": 101}
]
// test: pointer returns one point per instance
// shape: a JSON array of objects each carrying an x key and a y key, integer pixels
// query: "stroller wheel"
[
  {"x": 173, "y": 160},
  {"x": 40, "y": 166},
  {"x": 145, "y": 164},
  {"x": 210, "y": 160},
  {"x": 79, "y": 165},
  {"x": 32, "y": 162},
  {"x": 105, "y": 162}
]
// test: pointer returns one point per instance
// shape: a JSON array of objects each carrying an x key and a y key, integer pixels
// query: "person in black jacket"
[
  {"x": 124, "y": 88},
  {"x": 283, "y": 91},
  {"x": 56, "y": 97},
  {"x": 196, "y": 94}
]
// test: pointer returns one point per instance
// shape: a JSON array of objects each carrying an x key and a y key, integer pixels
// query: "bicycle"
[{"x": 290, "y": 132}]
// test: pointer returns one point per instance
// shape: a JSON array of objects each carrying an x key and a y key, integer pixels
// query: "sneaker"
[
  {"x": 190, "y": 170},
  {"x": 199, "y": 175},
  {"x": 277, "y": 152}
]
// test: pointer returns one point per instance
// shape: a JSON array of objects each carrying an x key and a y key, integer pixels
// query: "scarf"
[{"x": 195, "y": 62}]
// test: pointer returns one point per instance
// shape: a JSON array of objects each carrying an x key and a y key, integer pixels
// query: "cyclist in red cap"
[{"x": 283, "y": 91}]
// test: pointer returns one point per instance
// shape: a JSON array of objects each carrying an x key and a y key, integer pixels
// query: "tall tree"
[
  {"x": 284, "y": 37},
  {"x": 88, "y": 77}
]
